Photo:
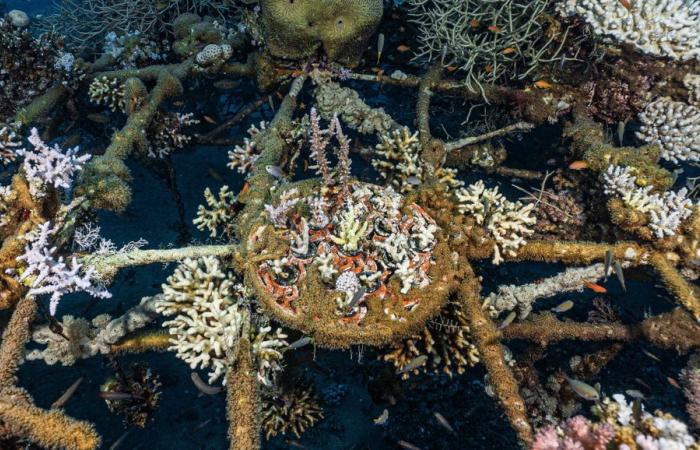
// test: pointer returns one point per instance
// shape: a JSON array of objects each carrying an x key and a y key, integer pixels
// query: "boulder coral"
[{"x": 296, "y": 29}]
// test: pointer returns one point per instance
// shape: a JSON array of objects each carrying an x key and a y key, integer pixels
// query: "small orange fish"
[
  {"x": 598, "y": 289},
  {"x": 626, "y": 4},
  {"x": 451, "y": 68},
  {"x": 543, "y": 84},
  {"x": 673, "y": 382},
  {"x": 403, "y": 48},
  {"x": 488, "y": 68},
  {"x": 208, "y": 119},
  {"x": 474, "y": 23},
  {"x": 245, "y": 189},
  {"x": 494, "y": 29},
  {"x": 508, "y": 50},
  {"x": 578, "y": 165}
]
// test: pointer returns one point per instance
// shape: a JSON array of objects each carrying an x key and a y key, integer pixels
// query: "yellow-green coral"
[{"x": 297, "y": 29}]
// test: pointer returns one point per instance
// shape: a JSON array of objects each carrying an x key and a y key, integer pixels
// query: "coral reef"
[{"x": 306, "y": 242}]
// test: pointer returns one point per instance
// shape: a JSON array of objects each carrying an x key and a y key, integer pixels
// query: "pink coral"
[{"x": 577, "y": 433}]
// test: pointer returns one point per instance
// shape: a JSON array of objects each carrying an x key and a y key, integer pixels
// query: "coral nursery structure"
[{"x": 443, "y": 185}]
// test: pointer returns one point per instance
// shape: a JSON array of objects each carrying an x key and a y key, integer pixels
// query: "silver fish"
[
  {"x": 620, "y": 275},
  {"x": 119, "y": 441},
  {"x": 407, "y": 445},
  {"x": 583, "y": 390},
  {"x": 487, "y": 206},
  {"x": 203, "y": 387},
  {"x": 299, "y": 343},
  {"x": 63, "y": 399},
  {"x": 275, "y": 171},
  {"x": 444, "y": 423},
  {"x": 381, "y": 420},
  {"x": 359, "y": 295},
  {"x": 271, "y": 102},
  {"x": 651, "y": 355},
  {"x": 563, "y": 307},
  {"x": 608, "y": 262},
  {"x": 444, "y": 55},
  {"x": 118, "y": 396},
  {"x": 635, "y": 394},
  {"x": 413, "y": 180},
  {"x": 380, "y": 46},
  {"x": 415, "y": 363},
  {"x": 508, "y": 320},
  {"x": 621, "y": 131}
]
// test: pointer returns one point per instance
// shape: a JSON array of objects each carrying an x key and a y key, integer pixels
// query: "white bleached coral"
[
  {"x": 278, "y": 214},
  {"x": 242, "y": 158},
  {"x": 9, "y": 144},
  {"x": 46, "y": 166},
  {"x": 510, "y": 297},
  {"x": 107, "y": 91},
  {"x": 47, "y": 274},
  {"x": 212, "y": 312},
  {"x": 665, "y": 28},
  {"x": 89, "y": 338},
  {"x": 665, "y": 211},
  {"x": 507, "y": 222},
  {"x": 398, "y": 161},
  {"x": 691, "y": 81},
  {"x": 213, "y": 54},
  {"x": 674, "y": 126},
  {"x": 220, "y": 214}
]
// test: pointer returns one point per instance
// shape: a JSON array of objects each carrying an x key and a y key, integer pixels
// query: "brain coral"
[{"x": 296, "y": 29}]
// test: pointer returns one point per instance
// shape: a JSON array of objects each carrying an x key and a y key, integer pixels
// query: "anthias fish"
[{"x": 583, "y": 390}]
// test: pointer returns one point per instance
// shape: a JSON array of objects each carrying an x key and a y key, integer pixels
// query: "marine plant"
[{"x": 342, "y": 261}]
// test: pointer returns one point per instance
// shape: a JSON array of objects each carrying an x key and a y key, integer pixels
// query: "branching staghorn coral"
[
  {"x": 508, "y": 222},
  {"x": 242, "y": 158},
  {"x": 220, "y": 215},
  {"x": 9, "y": 144},
  {"x": 489, "y": 41},
  {"x": 88, "y": 22},
  {"x": 211, "y": 314},
  {"x": 446, "y": 342},
  {"x": 107, "y": 91}
]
